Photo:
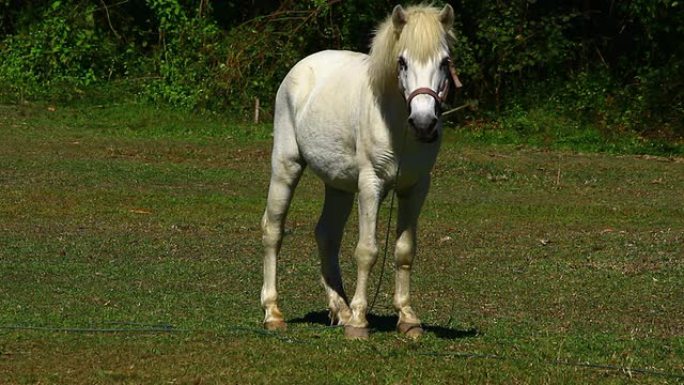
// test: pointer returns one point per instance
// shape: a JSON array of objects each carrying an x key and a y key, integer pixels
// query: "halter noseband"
[{"x": 424, "y": 91}]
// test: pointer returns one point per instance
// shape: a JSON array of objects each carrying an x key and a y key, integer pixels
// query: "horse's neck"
[{"x": 392, "y": 107}]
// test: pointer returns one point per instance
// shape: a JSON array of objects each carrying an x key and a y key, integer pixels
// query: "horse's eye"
[
  {"x": 445, "y": 62},
  {"x": 402, "y": 63}
]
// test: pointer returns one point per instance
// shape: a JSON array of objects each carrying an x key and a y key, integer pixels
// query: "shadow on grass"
[{"x": 388, "y": 323}]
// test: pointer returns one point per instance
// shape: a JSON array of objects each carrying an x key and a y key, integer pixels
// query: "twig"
[
  {"x": 558, "y": 175},
  {"x": 256, "y": 110},
  {"x": 598, "y": 51},
  {"x": 200, "y": 11},
  {"x": 469, "y": 104},
  {"x": 109, "y": 21}
]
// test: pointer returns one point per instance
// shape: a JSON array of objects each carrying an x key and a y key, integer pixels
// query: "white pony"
[{"x": 364, "y": 124}]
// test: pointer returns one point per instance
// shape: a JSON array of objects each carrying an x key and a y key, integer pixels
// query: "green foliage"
[
  {"x": 63, "y": 48},
  {"x": 589, "y": 111},
  {"x": 260, "y": 52},
  {"x": 613, "y": 67},
  {"x": 186, "y": 57},
  {"x": 510, "y": 42}
]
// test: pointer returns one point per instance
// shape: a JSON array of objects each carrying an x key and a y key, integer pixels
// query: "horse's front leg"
[
  {"x": 410, "y": 204},
  {"x": 370, "y": 194}
]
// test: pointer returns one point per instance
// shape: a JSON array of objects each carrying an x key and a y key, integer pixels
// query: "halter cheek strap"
[{"x": 454, "y": 76}]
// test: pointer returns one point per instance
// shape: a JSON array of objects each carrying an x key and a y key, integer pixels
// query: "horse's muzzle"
[
  {"x": 424, "y": 127},
  {"x": 424, "y": 118}
]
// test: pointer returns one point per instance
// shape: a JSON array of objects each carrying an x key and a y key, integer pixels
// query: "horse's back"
[
  {"x": 317, "y": 110},
  {"x": 319, "y": 80}
]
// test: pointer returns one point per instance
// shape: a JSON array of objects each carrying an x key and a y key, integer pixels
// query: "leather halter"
[
  {"x": 451, "y": 80},
  {"x": 423, "y": 91}
]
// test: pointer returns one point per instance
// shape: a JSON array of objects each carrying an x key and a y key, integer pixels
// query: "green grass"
[
  {"x": 535, "y": 266},
  {"x": 545, "y": 127}
]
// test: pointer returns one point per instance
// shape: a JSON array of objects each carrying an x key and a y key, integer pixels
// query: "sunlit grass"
[{"x": 531, "y": 261}]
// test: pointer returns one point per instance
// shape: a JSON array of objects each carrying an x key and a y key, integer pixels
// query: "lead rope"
[{"x": 389, "y": 223}]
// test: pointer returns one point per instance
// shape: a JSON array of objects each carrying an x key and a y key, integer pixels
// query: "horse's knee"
[
  {"x": 404, "y": 252},
  {"x": 366, "y": 253}
]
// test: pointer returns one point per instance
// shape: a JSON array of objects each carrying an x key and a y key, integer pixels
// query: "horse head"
[{"x": 424, "y": 69}]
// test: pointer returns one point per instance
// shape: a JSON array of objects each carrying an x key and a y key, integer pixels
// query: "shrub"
[
  {"x": 614, "y": 66},
  {"x": 63, "y": 49}
]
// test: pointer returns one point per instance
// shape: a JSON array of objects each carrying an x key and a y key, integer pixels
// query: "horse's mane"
[{"x": 422, "y": 37}]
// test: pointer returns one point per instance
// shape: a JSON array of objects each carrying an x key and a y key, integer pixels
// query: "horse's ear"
[
  {"x": 446, "y": 16},
  {"x": 398, "y": 17}
]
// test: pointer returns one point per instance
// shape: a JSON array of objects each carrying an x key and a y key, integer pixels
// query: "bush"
[
  {"x": 63, "y": 49},
  {"x": 613, "y": 66},
  {"x": 186, "y": 59}
]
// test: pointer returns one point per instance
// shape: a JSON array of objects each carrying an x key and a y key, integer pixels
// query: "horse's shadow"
[{"x": 388, "y": 323}]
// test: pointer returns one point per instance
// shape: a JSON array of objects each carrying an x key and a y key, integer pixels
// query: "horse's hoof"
[
  {"x": 413, "y": 331},
  {"x": 354, "y": 333},
  {"x": 278, "y": 325}
]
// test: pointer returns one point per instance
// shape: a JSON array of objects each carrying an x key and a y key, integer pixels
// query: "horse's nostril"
[{"x": 423, "y": 123}]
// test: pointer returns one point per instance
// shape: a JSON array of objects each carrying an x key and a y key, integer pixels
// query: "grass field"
[{"x": 130, "y": 253}]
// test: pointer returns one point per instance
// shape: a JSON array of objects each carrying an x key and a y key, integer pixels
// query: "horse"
[{"x": 365, "y": 124}]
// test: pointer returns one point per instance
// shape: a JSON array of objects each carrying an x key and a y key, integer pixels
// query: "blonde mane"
[{"x": 422, "y": 36}]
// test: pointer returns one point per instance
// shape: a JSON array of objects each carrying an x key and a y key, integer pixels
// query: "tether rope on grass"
[{"x": 131, "y": 327}]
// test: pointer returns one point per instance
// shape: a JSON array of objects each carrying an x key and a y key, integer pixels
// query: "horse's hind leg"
[
  {"x": 287, "y": 167},
  {"x": 329, "y": 232}
]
